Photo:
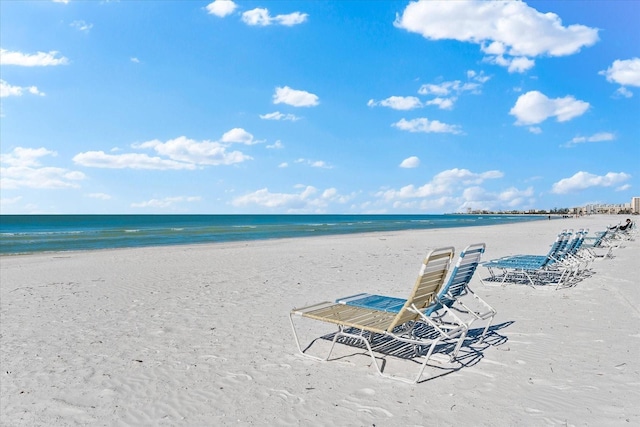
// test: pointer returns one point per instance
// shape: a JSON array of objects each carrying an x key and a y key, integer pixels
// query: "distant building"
[
  {"x": 592, "y": 209},
  {"x": 609, "y": 209}
]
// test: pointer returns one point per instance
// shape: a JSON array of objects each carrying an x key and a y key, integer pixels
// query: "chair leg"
[
  {"x": 533, "y": 285},
  {"x": 454, "y": 354},
  {"x": 361, "y": 337},
  {"x": 302, "y": 352},
  {"x": 424, "y": 364}
]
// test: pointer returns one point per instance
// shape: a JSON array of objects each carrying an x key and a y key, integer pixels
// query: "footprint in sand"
[
  {"x": 64, "y": 409},
  {"x": 374, "y": 411},
  {"x": 233, "y": 380},
  {"x": 233, "y": 377},
  {"x": 213, "y": 358},
  {"x": 366, "y": 391},
  {"x": 288, "y": 397}
]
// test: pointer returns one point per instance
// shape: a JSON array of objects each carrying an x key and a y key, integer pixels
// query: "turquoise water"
[{"x": 52, "y": 233}]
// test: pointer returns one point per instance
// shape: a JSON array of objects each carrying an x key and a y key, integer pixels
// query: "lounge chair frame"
[
  {"x": 535, "y": 269},
  {"x": 452, "y": 295},
  {"x": 399, "y": 327}
]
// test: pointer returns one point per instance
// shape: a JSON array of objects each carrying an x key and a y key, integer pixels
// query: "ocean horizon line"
[{"x": 24, "y": 234}]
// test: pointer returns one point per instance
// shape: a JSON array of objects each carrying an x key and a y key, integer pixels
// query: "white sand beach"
[{"x": 199, "y": 336}]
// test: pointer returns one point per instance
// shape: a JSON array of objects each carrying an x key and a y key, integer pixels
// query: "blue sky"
[{"x": 317, "y": 107}]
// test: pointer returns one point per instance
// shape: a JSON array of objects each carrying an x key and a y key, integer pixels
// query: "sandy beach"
[{"x": 199, "y": 336}]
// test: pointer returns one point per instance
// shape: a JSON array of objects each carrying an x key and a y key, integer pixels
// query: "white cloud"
[
  {"x": 40, "y": 59},
  {"x": 320, "y": 164},
  {"x": 265, "y": 198},
  {"x": 239, "y": 135},
  {"x": 329, "y": 193},
  {"x": 513, "y": 65},
  {"x": 261, "y": 17},
  {"x": 81, "y": 26},
  {"x": 473, "y": 198},
  {"x": 441, "y": 89},
  {"x": 509, "y": 32},
  {"x": 534, "y": 107},
  {"x": 315, "y": 163},
  {"x": 278, "y": 145},
  {"x": 624, "y": 72},
  {"x": 306, "y": 200},
  {"x": 61, "y": 1},
  {"x": 7, "y": 90},
  {"x": 135, "y": 60},
  {"x": 189, "y": 151},
  {"x": 520, "y": 65},
  {"x": 598, "y": 137},
  {"x": 477, "y": 198},
  {"x": 291, "y": 19},
  {"x": 444, "y": 183},
  {"x": 479, "y": 77},
  {"x": 623, "y": 92},
  {"x": 515, "y": 197},
  {"x": 410, "y": 162},
  {"x": 26, "y": 157},
  {"x": 221, "y": 8},
  {"x": 99, "y": 159},
  {"x": 166, "y": 202},
  {"x": 535, "y": 130},
  {"x": 427, "y": 126},
  {"x": 277, "y": 115},
  {"x": 466, "y": 177},
  {"x": 448, "y": 88},
  {"x": 178, "y": 153},
  {"x": 397, "y": 102},
  {"x": 442, "y": 103},
  {"x": 257, "y": 16},
  {"x": 25, "y": 171},
  {"x": 583, "y": 180},
  {"x": 448, "y": 92},
  {"x": 295, "y": 98}
]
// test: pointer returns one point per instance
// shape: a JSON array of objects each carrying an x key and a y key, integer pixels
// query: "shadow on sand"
[{"x": 470, "y": 353}]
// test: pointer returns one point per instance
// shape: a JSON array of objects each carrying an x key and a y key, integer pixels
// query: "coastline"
[
  {"x": 199, "y": 335},
  {"x": 24, "y": 234}
]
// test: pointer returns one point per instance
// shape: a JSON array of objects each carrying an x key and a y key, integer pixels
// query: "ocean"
[{"x": 22, "y": 234}]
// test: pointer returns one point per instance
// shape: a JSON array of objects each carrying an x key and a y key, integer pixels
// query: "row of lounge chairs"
[
  {"x": 441, "y": 308},
  {"x": 437, "y": 311},
  {"x": 567, "y": 262}
]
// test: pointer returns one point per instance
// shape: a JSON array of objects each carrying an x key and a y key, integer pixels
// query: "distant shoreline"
[{"x": 63, "y": 233}]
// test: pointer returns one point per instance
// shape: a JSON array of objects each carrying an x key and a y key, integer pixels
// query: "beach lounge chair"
[
  {"x": 574, "y": 260},
  {"x": 559, "y": 245},
  {"x": 626, "y": 231},
  {"x": 360, "y": 324},
  {"x": 535, "y": 269},
  {"x": 455, "y": 294},
  {"x": 536, "y": 260},
  {"x": 601, "y": 245},
  {"x": 598, "y": 240}
]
